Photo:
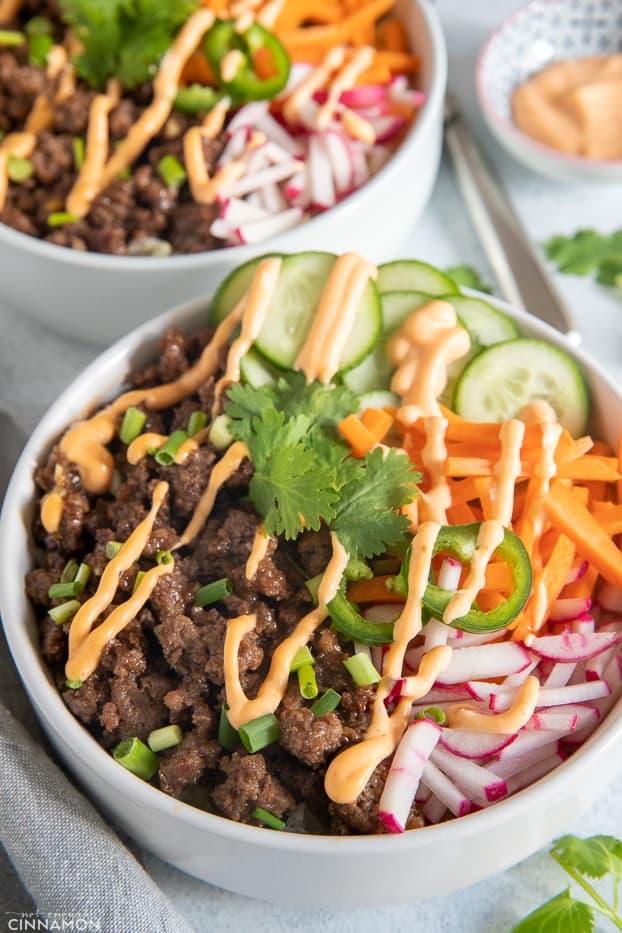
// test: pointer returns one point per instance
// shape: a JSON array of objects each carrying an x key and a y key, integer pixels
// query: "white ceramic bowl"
[
  {"x": 542, "y": 32},
  {"x": 98, "y": 298},
  {"x": 311, "y": 871}
]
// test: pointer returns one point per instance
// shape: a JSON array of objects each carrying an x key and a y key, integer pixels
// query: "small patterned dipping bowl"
[{"x": 542, "y": 32}]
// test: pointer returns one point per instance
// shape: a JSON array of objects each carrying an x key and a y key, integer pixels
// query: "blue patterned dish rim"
[{"x": 535, "y": 35}]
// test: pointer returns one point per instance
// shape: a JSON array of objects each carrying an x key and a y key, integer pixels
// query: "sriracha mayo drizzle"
[
  {"x": 225, "y": 468},
  {"x": 259, "y": 550},
  {"x": 9, "y": 10},
  {"x": 87, "y": 184},
  {"x": 81, "y": 645},
  {"x": 521, "y": 711},
  {"x": 241, "y": 709}
]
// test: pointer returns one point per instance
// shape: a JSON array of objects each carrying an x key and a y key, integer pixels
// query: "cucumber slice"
[
  {"x": 301, "y": 283},
  {"x": 485, "y": 323},
  {"x": 379, "y": 400},
  {"x": 505, "y": 377},
  {"x": 233, "y": 287},
  {"x": 256, "y": 371},
  {"x": 396, "y": 306},
  {"x": 373, "y": 374},
  {"x": 413, "y": 276}
]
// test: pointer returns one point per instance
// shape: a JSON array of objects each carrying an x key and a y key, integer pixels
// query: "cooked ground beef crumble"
[{"x": 166, "y": 666}]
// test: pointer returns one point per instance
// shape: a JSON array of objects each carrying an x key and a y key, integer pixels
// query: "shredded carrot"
[
  {"x": 359, "y": 437},
  {"x": 373, "y": 591},
  {"x": 547, "y": 586},
  {"x": 198, "y": 70},
  {"x": 391, "y": 36},
  {"x": 377, "y": 421}
]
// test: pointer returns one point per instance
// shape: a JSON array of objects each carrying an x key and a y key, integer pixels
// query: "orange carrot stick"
[{"x": 373, "y": 591}]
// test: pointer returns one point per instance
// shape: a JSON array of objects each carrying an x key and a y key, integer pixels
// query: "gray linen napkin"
[{"x": 75, "y": 868}]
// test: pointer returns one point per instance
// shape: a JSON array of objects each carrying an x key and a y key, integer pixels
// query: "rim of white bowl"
[
  {"x": 504, "y": 126},
  {"x": 433, "y": 103},
  {"x": 90, "y": 753}
]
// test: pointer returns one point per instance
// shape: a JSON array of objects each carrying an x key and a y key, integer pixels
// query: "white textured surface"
[{"x": 35, "y": 365}]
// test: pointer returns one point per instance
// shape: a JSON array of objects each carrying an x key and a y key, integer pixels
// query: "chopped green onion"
[
  {"x": 11, "y": 37},
  {"x": 432, "y": 712},
  {"x": 73, "y": 684},
  {"x": 166, "y": 737},
  {"x": 38, "y": 50},
  {"x": 38, "y": 26},
  {"x": 171, "y": 171},
  {"x": 132, "y": 425},
  {"x": 83, "y": 574},
  {"x": 259, "y": 733},
  {"x": 227, "y": 736},
  {"x": 60, "y": 218},
  {"x": 212, "y": 592},
  {"x": 125, "y": 174},
  {"x": 78, "y": 146},
  {"x": 307, "y": 684},
  {"x": 112, "y": 549},
  {"x": 268, "y": 819},
  {"x": 137, "y": 580},
  {"x": 313, "y": 586},
  {"x": 195, "y": 99},
  {"x": 219, "y": 435},
  {"x": 64, "y": 612},
  {"x": 165, "y": 455},
  {"x": 302, "y": 656},
  {"x": 361, "y": 670},
  {"x": 63, "y": 590},
  {"x": 69, "y": 572},
  {"x": 196, "y": 421},
  {"x": 164, "y": 557},
  {"x": 326, "y": 703},
  {"x": 136, "y": 757},
  {"x": 19, "y": 169}
]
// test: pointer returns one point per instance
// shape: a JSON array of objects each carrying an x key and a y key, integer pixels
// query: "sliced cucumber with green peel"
[
  {"x": 233, "y": 287},
  {"x": 505, "y": 377},
  {"x": 256, "y": 371},
  {"x": 396, "y": 306},
  {"x": 485, "y": 323},
  {"x": 410, "y": 275},
  {"x": 295, "y": 300},
  {"x": 379, "y": 399}
]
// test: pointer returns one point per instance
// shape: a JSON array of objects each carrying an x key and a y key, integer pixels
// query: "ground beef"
[
  {"x": 167, "y": 666},
  {"x": 362, "y": 816}
]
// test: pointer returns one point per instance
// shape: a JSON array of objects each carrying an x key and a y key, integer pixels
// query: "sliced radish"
[
  {"x": 434, "y": 809},
  {"x": 382, "y": 612},
  {"x": 554, "y": 721},
  {"x": 235, "y": 211},
  {"x": 378, "y": 157},
  {"x": 448, "y": 694},
  {"x": 339, "y": 157},
  {"x": 515, "y": 680},
  {"x": 273, "y": 200},
  {"x": 559, "y": 675},
  {"x": 400, "y": 787},
  {"x": 474, "y": 745},
  {"x": 583, "y": 625},
  {"x": 479, "y": 784},
  {"x": 534, "y": 772},
  {"x": 360, "y": 169},
  {"x": 249, "y": 183},
  {"x": 460, "y": 639},
  {"x": 235, "y": 146},
  {"x": 574, "y": 646},
  {"x": 497, "y": 660},
  {"x": 610, "y": 597},
  {"x": 365, "y": 95},
  {"x": 446, "y": 791},
  {"x": 435, "y": 633},
  {"x": 247, "y": 116},
  {"x": 514, "y": 763},
  {"x": 320, "y": 175},
  {"x": 579, "y": 570},
  {"x": 395, "y": 692},
  {"x": 387, "y": 127},
  {"x": 273, "y": 131},
  {"x": 564, "y": 609},
  {"x": 258, "y": 230}
]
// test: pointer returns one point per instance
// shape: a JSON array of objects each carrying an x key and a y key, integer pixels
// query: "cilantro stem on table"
[{"x": 595, "y": 857}]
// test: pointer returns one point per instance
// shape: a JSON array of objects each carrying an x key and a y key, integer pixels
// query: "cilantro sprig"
[
  {"x": 595, "y": 857},
  {"x": 468, "y": 276},
  {"x": 304, "y": 474},
  {"x": 588, "y": 252},
  {"x": 123, "y": 39}
]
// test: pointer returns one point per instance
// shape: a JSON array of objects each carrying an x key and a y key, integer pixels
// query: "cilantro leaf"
[
  {"x": 588, "y": 252},
  {"x": 123, "y": 39},
  {"x": 562, "y": 914},
  {"x": 594, "y": 857},
  {"x": 469, "y": 277},
  {"x": 325, "y": 405},
  {"x": 242, "y": 405},
  {"x": 292, "y": 491},
  {"x": 367, "y": 522}
]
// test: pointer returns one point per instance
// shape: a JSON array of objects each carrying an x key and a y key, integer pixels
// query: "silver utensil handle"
[{"x": 518, "y": 270}]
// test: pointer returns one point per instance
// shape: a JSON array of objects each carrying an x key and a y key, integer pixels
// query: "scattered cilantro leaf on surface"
[
  {"x": 367, "y": 522},
  {"x": 562, "y": 914},
  {"x": 588, "y": 252},
  {"x": 123, "y": 39},
  {"x": 469, "y": 277},
  {"x": 595, "y": 857}
]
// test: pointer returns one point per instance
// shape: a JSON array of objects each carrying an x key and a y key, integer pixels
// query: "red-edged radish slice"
[
  {"x": 479, "y": 784},
  {"x": 515, "y": 680},
  {"x": 446, "y": 791},
  {"x": 235, "y": 211},
  {"x": 273, "y": 131},
  {"x": 460, "y": 639},
  {"x": 579, "y": 570},
  {"x": 320, "y": 175},
  {"x": 450, "y": 694},
  {"x": 360, "y": 169},
  {"x": 273, "y": 199},
  {"x": 404, "y": 775},
  {"x": 574, "y": 646},
  {"x": 260, "y": 230},
  {"x": 365, "y": 95},
  {"x": 610, "y": 597},
  {"x": 497, "y": 660},
  {"x": 266, "y": 176},
  {"x": 584, "y": 625},
  {"x": 565, "y": 609},
  {"x": 387, "y": 127},
  {"x": 434, "y": 809},
  {"x": 568, "y": 719},
  {"x": 534, "y": 772},
  {"x": 339, "y": 157},
  {"x": 247, "y": 116},
  {"x": 235, "y": 146},
  {"x": 559, "y": 674},
  {"x": 514, "y": 763},
  {"x": 477, "y": 746}
]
